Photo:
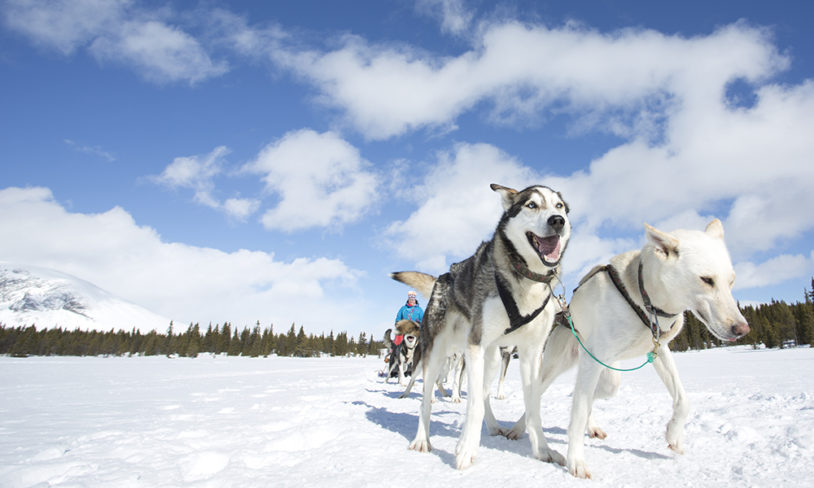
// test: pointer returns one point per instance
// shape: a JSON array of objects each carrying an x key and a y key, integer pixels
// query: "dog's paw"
[
  {"x": 464, "y": 459},
  {"x": 596, "y": 433},
  {"x": 578, "y": 470},
  {"x": 515, "y": 433},
  {"x": 455, "y": 399},
  {"x": 420, "y": 445},
  {"x": 675, "y": 437},
  {"x": 551, "y": 456}
]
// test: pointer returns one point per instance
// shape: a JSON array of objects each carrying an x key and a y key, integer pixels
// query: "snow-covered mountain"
[{"x": 49, "y": 298}]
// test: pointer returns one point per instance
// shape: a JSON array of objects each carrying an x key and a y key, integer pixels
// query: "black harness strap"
[
  {"x": 617, "y": 281},
  {"x": 515, "y": 319}
]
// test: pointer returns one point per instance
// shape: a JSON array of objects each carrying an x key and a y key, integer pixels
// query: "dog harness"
[
  {"x": 515, "y": 319},
  {"x": 644, "y": 315},
  {"x": 650, "y": 321}
]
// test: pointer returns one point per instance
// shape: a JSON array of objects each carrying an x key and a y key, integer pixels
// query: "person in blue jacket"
[{"x": 410, "y": 311}]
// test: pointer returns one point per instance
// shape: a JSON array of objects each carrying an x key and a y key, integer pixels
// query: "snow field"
[{"x": 285, "y": 422}]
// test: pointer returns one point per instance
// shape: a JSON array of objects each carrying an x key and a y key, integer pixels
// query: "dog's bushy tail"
[
  {"x": 388, "y": 341},
  {"x": 421, "y": 282}
]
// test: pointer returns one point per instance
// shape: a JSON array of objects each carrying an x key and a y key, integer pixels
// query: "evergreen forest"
[{"x": 776, "y": 324}]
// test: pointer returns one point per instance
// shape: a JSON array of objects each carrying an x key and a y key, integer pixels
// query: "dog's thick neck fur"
[{"x": 659, "y": 295}]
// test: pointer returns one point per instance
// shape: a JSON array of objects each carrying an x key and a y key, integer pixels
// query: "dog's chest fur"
[{"x": 468, "y": 289}]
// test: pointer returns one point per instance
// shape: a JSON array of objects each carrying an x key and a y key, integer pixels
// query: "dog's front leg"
[
  {"x": 587, "y": 378},
  {"x": 530, "y": 373},
  {"x": 667, "y": 371},
  {"x": 470, "y": 437}
]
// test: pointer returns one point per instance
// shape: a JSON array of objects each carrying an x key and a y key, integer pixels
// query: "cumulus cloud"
[
  {"x": 320, "y": 179},
  {"x": 160, "y": 52},
  {"x": 773, "y": 271},
  {"x": 198, "y": 174},
  {"x": 115, "y": 31},
  {"x": 457, "y": 208},
  {"x": 619, "y": 80},
  {"x": 182, "y": 282},
  {"x": 689, "y": 154}
]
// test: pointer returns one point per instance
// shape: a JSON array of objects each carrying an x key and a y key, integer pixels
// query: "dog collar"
[{"x": 519, "y": 265}]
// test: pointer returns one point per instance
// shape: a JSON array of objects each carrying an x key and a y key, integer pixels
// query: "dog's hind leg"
[
  {"x": 492, "y": 362},
  {"x": 458, "y": 381},
  {"x": 506, "y": 356},
  {"x": 666, "y": 369}
]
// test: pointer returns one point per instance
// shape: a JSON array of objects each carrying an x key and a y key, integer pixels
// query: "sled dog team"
[{"x": 503, "y": 297}]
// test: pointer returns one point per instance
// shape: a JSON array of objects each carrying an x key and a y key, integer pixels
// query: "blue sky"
[{"x": 273, "y": 161}]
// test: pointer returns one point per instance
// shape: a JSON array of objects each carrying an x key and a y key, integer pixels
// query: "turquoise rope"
[{"x": 650, "y": 355}]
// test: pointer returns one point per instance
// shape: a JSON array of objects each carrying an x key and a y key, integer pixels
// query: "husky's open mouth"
[{"x": 548, "y": 248}]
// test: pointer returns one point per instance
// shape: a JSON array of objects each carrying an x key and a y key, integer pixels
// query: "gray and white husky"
[
  {"x": 500, "y": 296},
  {"x": 633, "y": 306}
]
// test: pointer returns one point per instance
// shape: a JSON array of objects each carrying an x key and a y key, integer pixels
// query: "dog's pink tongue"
[
  {"x": 555, "y": 253},
  {"x": 549, "y": 247}
]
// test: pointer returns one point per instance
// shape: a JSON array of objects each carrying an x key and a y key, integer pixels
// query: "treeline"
[
  {"x": 225, "y": 339},
  {"x": 775, "y": 324}
]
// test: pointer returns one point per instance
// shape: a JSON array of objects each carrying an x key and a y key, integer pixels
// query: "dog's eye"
[
  {"x": 709, "y": 281},
  {"x": 559, "y": 205},
  {"x": 531, "y": 205}
]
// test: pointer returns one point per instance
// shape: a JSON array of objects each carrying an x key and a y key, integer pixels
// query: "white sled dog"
[
  {"x": 636, "y": 305},
  {"x": 500, "y": 296}
]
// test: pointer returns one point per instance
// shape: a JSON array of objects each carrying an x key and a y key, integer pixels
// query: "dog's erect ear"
[
  {"x": 715, "y": 229},
  {"x": 507, "y": 195},
  {"x": 664, "y": 242}
]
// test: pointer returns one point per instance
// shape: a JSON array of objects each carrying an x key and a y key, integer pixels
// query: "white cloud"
[
  {"x": 185, "y": 283},
  {"x": 617, "y": 80},
  {"x": 457, "y": 208},
  {"x": 453, "y": 14},
  {"x": 161, "y": 53},
  {"x": 64, "y": 25},
  {"x": 198, "y": 174},
  {"x": 321, "y": 180},
  {"x": 689, "y": 154},
  {"x": 115, "y": 31},
  {"x": 92, "y": 150},
  {"x": 241, "y": 208},
  {"x": 773, "y": 271}
]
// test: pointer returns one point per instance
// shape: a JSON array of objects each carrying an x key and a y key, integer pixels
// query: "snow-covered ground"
[{"x": 283, "y": 422}]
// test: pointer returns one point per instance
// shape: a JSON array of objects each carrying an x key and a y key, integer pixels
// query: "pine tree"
[{"x": 234, "y": 345}]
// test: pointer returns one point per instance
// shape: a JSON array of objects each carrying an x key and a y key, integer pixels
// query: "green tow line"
[{"x": 650, "y": 355}]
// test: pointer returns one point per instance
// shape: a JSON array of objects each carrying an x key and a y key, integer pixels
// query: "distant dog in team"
[
  {"x": 636, "y": 305},
  {"x": 402, "y": 357},
  {"x": 500, "y": 296}
]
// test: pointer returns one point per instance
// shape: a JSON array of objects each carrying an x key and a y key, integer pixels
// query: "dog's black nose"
[{"x": 557, "y": 222}]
